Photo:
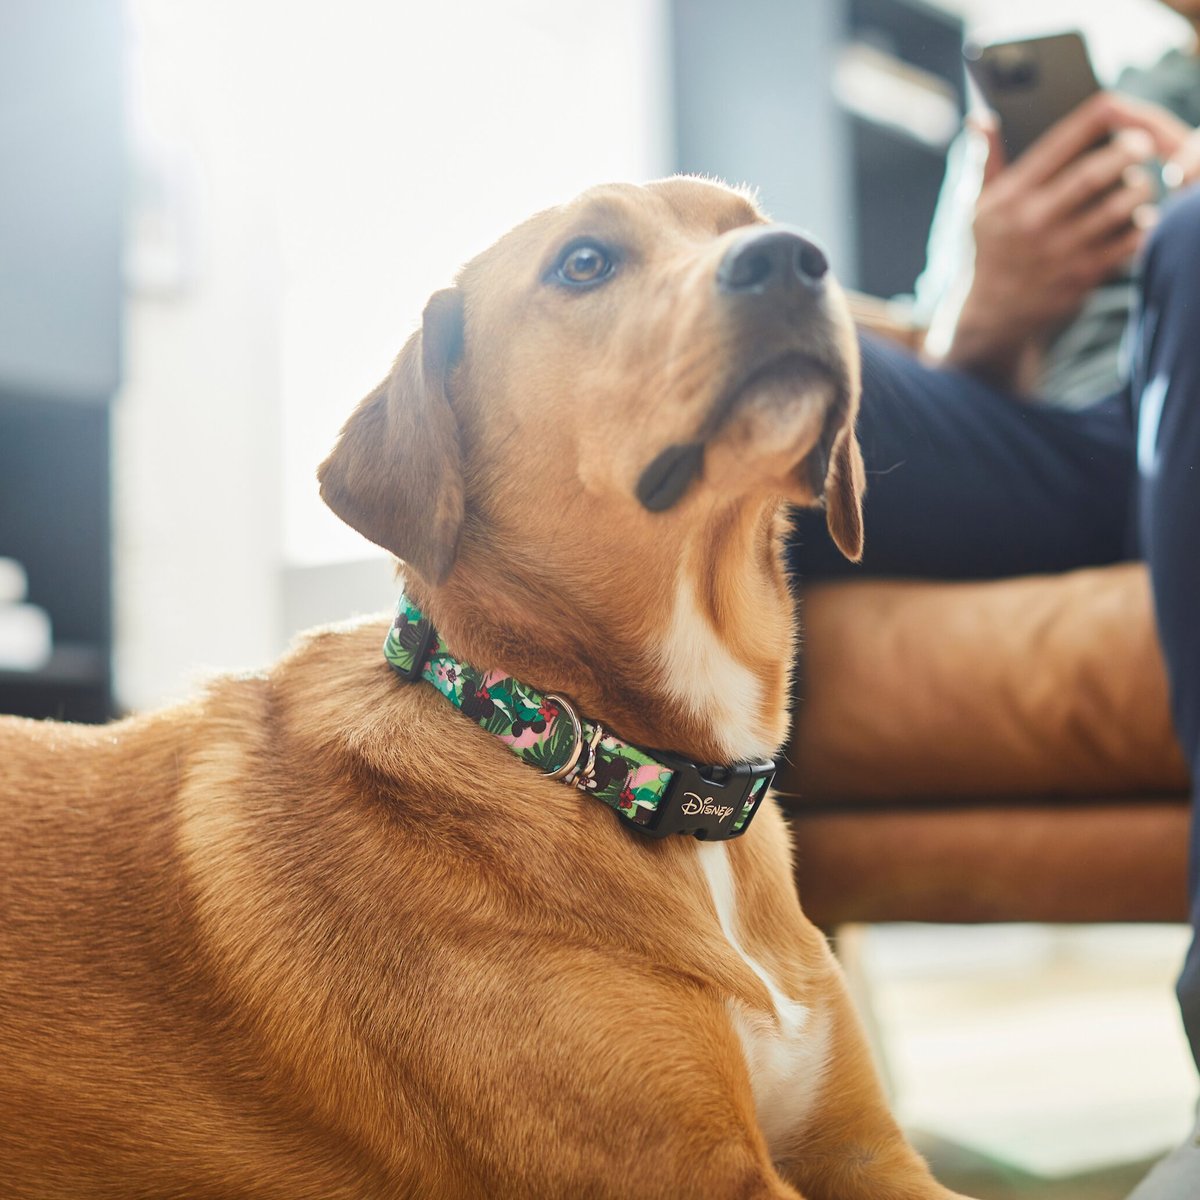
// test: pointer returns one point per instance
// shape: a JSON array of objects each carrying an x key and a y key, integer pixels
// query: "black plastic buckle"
[
  {"x": 706, "y": 801},
  {"x": 423, "y": 636}
]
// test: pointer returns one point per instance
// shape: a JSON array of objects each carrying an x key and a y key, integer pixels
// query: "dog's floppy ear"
[
  {"x": 844, "y": 487},
  {"x": 396, "y": 472}
]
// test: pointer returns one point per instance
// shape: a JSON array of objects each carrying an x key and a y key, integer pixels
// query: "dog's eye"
[{"x": 584, "y": 263}]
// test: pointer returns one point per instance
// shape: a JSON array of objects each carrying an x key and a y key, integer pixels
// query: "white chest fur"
[
  {"x": 706, "y": 680},
  {"x": 787, "y": 1050}
]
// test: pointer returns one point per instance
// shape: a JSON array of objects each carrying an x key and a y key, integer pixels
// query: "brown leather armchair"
[{"x": 995, "y": 751}]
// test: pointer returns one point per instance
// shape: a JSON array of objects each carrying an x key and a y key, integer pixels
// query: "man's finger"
[
  {"x": 1066, "y": 140},
  {"x": 1125, "y": 206},
  {"x": 1093, "y": 174},
  {"x": 1184, "y": 166},
  {"x": 1168, "y": 131}
]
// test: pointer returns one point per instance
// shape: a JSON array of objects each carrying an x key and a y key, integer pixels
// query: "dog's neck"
[{"x": 683, "y": 643}]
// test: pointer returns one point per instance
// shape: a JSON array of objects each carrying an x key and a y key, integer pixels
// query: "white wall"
[{"x": 196, "y": 453}]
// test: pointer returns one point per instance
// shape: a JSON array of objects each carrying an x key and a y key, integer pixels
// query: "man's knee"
[{"x": 1174, "y": 246}]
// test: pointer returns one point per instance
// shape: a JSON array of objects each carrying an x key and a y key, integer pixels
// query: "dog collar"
[{"x": 655, "y": 792}]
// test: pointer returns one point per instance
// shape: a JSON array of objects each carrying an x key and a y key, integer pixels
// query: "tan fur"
[{"x": 317, "y": 935}]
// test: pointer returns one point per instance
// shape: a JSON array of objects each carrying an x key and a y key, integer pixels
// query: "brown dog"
[{"x": 319, "y": 935}]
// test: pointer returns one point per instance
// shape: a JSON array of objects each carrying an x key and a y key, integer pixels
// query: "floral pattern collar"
[{"x": 655, "y": 792}]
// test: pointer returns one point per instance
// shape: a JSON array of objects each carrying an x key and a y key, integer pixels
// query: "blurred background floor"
[
  {"x": 976, "y": 1175},
  {"x": 1040, "y": 1062}
]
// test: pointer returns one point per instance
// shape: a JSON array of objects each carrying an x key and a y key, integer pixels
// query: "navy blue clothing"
[
  {"x": 1165, "y": 391},
  {"x": 968, "y": 482}
]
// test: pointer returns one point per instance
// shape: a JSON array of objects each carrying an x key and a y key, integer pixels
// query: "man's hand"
[
  {"x": 1052, "y": 226},
  {"x": 1175, "y": 142}
]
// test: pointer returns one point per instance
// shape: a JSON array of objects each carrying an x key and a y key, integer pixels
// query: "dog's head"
[{"x": 631, "y": 358}]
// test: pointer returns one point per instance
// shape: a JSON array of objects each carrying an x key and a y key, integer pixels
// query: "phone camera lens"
[{"x": 1014, "y": 71}]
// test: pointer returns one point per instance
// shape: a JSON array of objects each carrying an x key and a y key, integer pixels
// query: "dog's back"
[
  {"x": 126, "y": 886},
  {"x": 111, "y": 1031}
]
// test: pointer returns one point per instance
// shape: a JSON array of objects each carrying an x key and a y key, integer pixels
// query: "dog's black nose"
[{"x": 772, "y": 259}]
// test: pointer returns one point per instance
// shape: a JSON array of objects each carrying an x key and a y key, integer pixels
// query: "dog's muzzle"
[{"x": 771, "y": 280}]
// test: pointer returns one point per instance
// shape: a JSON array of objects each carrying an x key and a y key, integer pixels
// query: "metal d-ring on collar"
[
  {"x": 576, "y": 728},
  {"x": 572, "y": 765}
]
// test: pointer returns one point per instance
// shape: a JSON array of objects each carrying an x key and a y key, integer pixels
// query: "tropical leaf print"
[{"x": 535, "y": 728}]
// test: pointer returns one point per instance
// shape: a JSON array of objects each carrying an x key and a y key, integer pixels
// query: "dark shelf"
[
  {"x": 73, "y": 664},
  {"x": 897, "y": 177},
  {"x": 62, "y": 148}
]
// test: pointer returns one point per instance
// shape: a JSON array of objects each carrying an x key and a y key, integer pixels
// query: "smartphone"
[{"x": 1032, "y": 84}]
